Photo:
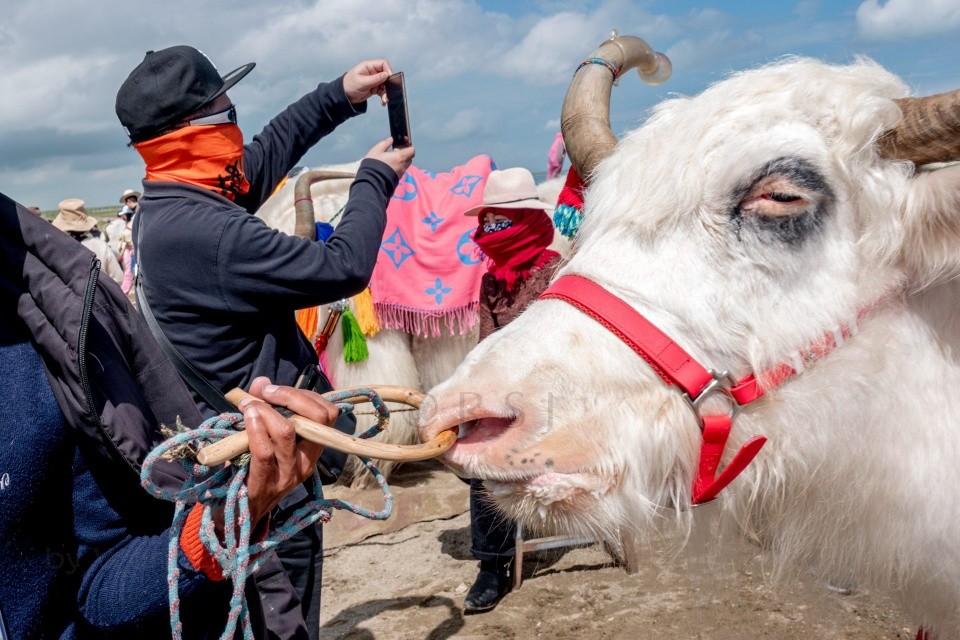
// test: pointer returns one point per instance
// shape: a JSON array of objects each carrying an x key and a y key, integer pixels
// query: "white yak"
[
  {"x": 395, "y": 357},
  {"x": 757, "y": 224}
]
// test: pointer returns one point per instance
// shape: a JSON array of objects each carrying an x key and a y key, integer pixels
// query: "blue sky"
[{"x": 482, "y": 77}]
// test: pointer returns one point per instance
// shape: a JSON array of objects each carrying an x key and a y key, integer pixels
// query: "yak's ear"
[{"x": 931, "y": 225}]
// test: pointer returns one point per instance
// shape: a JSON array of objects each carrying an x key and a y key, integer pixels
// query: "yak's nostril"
[
  {"x": 484, "y": 429},
  {"x": 464, "y": 428}
]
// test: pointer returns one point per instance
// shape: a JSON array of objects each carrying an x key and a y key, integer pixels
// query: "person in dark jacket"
[
  {"x": 83, "y": 549},
  {"x": 223, "y": 286},
  {"x": 514, "y": 232}
]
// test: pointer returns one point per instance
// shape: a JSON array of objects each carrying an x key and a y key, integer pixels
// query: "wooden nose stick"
[{"x": 238, "y": 443}]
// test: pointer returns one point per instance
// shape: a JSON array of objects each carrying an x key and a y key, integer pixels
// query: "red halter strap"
[{"x": 677, "y": 368}]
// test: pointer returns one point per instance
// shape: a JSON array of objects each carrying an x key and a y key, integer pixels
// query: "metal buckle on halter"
[{"x": 722, "y": 382}]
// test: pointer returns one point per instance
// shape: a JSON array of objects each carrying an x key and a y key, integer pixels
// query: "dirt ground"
[{"x": 406, "y": 579}]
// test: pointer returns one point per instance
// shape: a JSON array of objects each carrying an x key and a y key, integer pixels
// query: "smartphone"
[{"x": 397, "y": 111}]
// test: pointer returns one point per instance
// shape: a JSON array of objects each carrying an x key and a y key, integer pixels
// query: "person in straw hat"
[
  {"x": 120, "y": 237},
  {"x": 74, "y": 220},
  {"x": 514, "y": 232},
  {"x": 129, "y": 197},
  {"x": 114, "y": 231}
]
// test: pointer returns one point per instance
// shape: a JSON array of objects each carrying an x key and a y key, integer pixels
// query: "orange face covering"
[{"x": 208, "y": 156}]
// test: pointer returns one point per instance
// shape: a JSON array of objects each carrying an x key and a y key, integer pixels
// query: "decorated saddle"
[{"x": 427, "y": 279}]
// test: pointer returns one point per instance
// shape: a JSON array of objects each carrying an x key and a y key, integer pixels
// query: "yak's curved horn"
[
  {"x": 306, "y": 222},
  {"x": 585, "y": 118},
  {"x": 929, "y": 131}
]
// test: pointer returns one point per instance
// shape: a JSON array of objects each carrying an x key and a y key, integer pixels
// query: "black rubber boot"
[{"x": 492, "y": 583}]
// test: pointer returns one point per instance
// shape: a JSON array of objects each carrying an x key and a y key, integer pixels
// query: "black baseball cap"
[{"x": 167, "y": 86}]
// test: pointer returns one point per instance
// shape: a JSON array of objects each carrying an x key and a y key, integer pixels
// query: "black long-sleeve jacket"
[{"x": 224, "y": 286}]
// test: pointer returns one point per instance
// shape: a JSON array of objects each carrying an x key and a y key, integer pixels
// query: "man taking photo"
[{"x": 220, "y": 285}]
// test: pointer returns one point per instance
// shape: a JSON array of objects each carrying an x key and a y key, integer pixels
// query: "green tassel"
[{"x": 354, "y": 344}]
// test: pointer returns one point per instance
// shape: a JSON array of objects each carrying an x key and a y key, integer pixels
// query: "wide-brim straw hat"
[
  {"x": 510, "y": 189},
  {"x": 73, "y": 216},
  {"x": 128, "y": 193}
]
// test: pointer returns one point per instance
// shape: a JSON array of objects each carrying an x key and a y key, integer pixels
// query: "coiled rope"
[{"x": 223, "y": 487}]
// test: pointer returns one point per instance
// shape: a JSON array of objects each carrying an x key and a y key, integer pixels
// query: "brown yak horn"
[
  {"x": 585, "y": 118},
  {"x": 929, "y": 131},
  {"x": 306, "y": 222}
]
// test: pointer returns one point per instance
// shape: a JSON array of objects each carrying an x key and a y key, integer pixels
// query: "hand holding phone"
[
  {"x": 397, "y": 111},
  {"x": 397, "y": 159},
  {"x": 365, "y": 80}
]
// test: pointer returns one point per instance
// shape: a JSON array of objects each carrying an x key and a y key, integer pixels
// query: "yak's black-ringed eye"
[
  {"x": 785, "y": 201},
  {"x": 783, "y": 197}
]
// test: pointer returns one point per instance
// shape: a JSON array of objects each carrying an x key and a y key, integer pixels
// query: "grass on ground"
[{"x": 102, "y": 214}]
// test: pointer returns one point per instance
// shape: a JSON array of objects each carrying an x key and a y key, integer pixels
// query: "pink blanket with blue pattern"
[{"x": 427, "y": 280}]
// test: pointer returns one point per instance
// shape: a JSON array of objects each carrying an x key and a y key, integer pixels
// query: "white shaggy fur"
[
  {"x": 861, "y": 472},
  {"x": 328, "y": 197}
]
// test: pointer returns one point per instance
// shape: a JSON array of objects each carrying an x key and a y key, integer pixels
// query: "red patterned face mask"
[
  {"x": 518, "y": 249},
  {"x": 210, "y": 157}
]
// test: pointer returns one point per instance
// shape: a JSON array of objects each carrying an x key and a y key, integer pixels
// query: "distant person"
[
  {"x": 127, "y": 252},
  {"x": 556, "y": 156},
  {"x": 222, "y": 286},
  {"x": 514, "y": 232},
  {"x": 114, "y": 230},
  {"x": 130, "y": 198},
  {"x": 73, "y": 219},
  {"x": 35, "y": 211}
]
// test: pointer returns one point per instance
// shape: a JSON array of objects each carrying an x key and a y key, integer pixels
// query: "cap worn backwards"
[{"x": 167, "y": 86}]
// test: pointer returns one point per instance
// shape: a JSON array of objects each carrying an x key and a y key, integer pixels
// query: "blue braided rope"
[
  {"x": 225, "y": 488},
  {"x": 602, "y": 62}
]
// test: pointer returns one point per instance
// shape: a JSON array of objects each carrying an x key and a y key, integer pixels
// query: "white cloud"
[
  {"x": 480, "y": 80},
  {"x": 900, "y": 19},
  {"x": 707, "y": 49},
  {"x": 462, "y": 125},
  {"x": 433, "y": 38},
  {"x": 68, "y": 91},
  {"x": 550, "y": 50},
  {"x": 705, "y": 19},
  {"x": 45, "y": 186}
]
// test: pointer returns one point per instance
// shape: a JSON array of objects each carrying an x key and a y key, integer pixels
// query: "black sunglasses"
[{"x": 227, "y": 116}]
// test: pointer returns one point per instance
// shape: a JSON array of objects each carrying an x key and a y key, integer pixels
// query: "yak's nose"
[{"x": 452, "y": 409}]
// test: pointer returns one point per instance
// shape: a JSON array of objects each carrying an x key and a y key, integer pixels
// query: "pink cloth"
[
  {"x": 429, "y": 268},
  {"x": 127, "y": 284},
  {"x": 556, "y": 156}
]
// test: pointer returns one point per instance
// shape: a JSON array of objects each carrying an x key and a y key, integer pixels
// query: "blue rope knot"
[{"x": 224, "y": 487}]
